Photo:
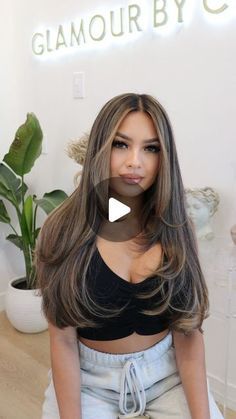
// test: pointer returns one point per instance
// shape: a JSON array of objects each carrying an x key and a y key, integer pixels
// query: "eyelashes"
[{"x": 119, "y": 144}]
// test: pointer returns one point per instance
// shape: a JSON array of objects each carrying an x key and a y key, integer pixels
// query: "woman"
[{"x": 125, "y": 316}]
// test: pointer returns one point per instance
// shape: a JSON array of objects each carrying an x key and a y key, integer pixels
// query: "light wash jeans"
[{"x": 131, "y": 385}]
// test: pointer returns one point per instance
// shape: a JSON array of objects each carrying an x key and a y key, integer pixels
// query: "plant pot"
[{"x": 23, "y": 307}]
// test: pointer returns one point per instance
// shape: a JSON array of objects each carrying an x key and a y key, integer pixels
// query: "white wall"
[{"x": 191, "y": 71}]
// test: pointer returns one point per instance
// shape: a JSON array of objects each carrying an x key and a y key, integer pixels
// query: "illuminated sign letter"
[
  {"x": 37, "y": 47},
  {"x": 216, "y": 11},
  {"x": 48, "y": 41},
  {"x": 121, "y": 23},
  {"x": 99, "y": 38},
  {"x": 60, "y": 34},
  {"x": 180, "y": 7},
  {"x": 77, "y": 35},
  {"x": 134, "y": 6},
  {"x": 158, "y": 11}
]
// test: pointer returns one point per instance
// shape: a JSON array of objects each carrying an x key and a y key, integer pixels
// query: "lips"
[
  {"x": 131, "y": 179},
  {"x": 131, "y": 176}
]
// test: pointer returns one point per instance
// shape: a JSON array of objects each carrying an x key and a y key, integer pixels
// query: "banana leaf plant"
[{"x": 23, "y": 152}]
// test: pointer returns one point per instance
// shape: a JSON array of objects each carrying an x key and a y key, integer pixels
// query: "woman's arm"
[
  {"x": 190, "y": 359},
  {"x": 66, "y": 371}
]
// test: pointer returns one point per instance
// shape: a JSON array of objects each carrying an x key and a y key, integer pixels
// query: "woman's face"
[
  {"x": 198, "y": 211},
  {"x": 135, "y": 149}
]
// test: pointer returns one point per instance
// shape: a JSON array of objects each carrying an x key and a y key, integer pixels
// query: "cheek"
[
  {"x": 152, "y": 170},
  {"x": 114, "y": 162},
  {"x": 153, "y": 167},
  {"x": 205, "y": 213}
]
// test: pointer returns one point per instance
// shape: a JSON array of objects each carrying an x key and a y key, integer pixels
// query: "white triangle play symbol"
[{"x": 117, "y": 209}]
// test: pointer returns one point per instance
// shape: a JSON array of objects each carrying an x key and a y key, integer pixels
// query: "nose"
[{"x": 133, "y": 159}]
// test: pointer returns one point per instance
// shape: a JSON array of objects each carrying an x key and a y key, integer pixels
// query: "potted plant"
[{"x": 22, "y": 302}]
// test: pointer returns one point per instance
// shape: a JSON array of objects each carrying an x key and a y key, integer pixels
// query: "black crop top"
[{"x": 109, "y": 289}]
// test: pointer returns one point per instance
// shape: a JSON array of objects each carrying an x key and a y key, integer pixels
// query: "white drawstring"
[{"x": 131, "y": 378}]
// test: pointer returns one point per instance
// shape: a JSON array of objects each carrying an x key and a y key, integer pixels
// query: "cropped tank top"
[{"x": 110, "y": 290}]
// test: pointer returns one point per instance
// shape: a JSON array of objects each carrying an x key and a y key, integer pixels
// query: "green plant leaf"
[
  {"x": 28, "y": 210},
  {"x": 9, "y": 184},
  {"x": 17, "y": 240},
  {"x": 19, "y": 192},
  {"x": 26, "y": 221},
  {"x": 51, "y": 200},
  {"x": 4, "y": 216},
  {"x": 26, "y": 147},
  {"x": 24, "y": 229}
]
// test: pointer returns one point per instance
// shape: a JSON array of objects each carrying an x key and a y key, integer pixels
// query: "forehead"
[{"x": 139, "y": 123}]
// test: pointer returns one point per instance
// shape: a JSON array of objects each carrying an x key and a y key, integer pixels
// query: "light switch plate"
[{"x": 78, "y": 85}]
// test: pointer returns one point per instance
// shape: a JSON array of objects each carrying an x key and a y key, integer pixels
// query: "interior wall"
[
  {"x": 190, "y": 70},
  {"x": 188, "y": 66}
]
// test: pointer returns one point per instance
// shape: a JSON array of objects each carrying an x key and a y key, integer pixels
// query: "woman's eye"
[
  {"x": 155, "y": 148},
  {"x": 120, "y": 144},
  {"x": 117, "y": 144}
]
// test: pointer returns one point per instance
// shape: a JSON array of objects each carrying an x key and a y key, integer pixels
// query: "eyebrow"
[{"x": 150, "y": 140}]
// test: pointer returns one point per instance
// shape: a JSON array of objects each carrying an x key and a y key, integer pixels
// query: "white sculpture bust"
[{"x": 201, "y": 204}]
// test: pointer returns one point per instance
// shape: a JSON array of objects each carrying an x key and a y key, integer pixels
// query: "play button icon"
[
  {"x": 114, "y": 209},
  {"x": 117, "y": 209}
]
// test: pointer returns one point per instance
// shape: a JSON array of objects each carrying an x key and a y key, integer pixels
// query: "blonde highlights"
[{"x": 66, "y": 242}]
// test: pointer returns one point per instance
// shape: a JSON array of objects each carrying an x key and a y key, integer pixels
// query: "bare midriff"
[{"x": 128, "y": 344}]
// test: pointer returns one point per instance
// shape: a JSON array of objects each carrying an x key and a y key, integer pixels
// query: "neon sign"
[{"x": 119, "y": 24}]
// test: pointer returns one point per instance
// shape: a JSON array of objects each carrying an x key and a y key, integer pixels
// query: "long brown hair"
[{"x": 66, "y": 242}]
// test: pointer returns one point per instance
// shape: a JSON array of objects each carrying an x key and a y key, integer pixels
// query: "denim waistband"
[{"x": 117, "y": 360}]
